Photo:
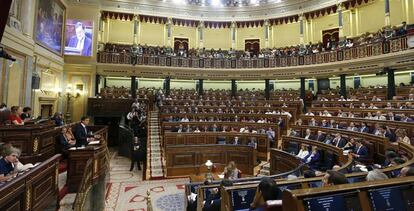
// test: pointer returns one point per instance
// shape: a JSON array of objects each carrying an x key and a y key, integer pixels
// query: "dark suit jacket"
[
  {"x": 362, "y": 152},
  {"x": 213, "y": 203},
  {"x": 364, "y": 130},
  {"x": 320, "y": 138},
  {"x": 313, "y": 163},
  {"x": 87, "y": 45},
  {"x": 341, "y": 144},
  {"x": 64, "y": 142},
  {"x": 81, "y": 135},
  {"x": 391, "y": 136},
  {"x": 311, "y": 137},
  {"x": 4, "y": 115}
]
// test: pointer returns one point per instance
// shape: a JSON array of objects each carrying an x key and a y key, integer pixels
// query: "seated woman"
[
  {"x": 14, "y": 118},
  {"x": 313, "y": 158},
  {"x": 402, "y": 136},
  {"x": 231, "y": 171},
  {"x": 304, "y": 151},
  {"x": 8, "y": 163},
  {"x": 66, "y": 138},
  {"x": 266, "y": 190},
  {"x": 58, "y": 118}
]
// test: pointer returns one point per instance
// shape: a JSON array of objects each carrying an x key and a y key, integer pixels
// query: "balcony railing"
[{"x": 364, "y": 51}]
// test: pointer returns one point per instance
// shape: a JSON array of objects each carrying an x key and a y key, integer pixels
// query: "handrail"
[{"x": 362, "y": 51}]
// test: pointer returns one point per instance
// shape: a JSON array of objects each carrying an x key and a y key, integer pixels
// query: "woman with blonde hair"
[
  {"x": 402, "y": 136},
  {"x": 231, "y": 171}
]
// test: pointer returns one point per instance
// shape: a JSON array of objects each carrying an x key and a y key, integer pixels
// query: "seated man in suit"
[
  {"x": 313, "y": 158},
  {"x": 325, "y": 123},
  {"x": 352, "y": 127},
  {"x": 328, "y": 139},
  {"x": 320, "y": 137},
  {"x": 213, "y": 201},
  {"x": 65, "y": 139},
  {"x": 81, "y": 132},
  {"x": 364, "y": 128},
  {"x": 360, "y": 151},
  {"x": 388, "y": 133},
  {"x": 309, "y": 135},
  {"x": 179, "y": 129},
  {"x": 236, "y": 141},
  {"x": 4, "y": 113},
  {"x": 338, "y": 141}
]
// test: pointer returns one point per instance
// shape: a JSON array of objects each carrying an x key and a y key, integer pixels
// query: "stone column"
[
  {"x": 233, "y": 35},
  {"x": 343, "y": 85},
  {"x": 267, "y": 89},
  {"x": 133, "y": 87},
  {"x": 391, "y": 83},
  {"x": 387, "y": 12},
  {"x": 340, "y": 21},
  {"x": 97, "y": 82},
  {"x": 167, "y": 85},
  {"x": 301, "y": 30},
  {"x": 233, "y": 88},
  {"x": 169, "y": 31},
  {"x": 201, "y": 34},
  {"x": 136, "y": 25},
  {"x": 303, "y": 92},
  {"x": 200, "y": 87},
  {"x": 266, "y": 31},
  {"x": 28, "y": 16},
  {"x": 100, "y": 28}
]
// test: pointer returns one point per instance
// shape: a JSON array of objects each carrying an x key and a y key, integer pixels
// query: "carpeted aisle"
[{"x": 126, "y": 191}]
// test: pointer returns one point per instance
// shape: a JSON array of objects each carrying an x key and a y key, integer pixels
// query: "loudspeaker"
[
  {"x": 4, "y": 14},
  {"x": 35, "y": 82}
]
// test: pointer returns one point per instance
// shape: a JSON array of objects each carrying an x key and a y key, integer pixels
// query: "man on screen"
[{"x": 81, "y": 41}]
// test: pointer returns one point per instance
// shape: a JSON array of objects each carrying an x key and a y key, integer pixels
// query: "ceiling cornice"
[{"x": 209, "y": 13}]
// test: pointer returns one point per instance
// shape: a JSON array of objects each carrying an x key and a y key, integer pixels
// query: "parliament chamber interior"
[{"x": 207, "y": 105}]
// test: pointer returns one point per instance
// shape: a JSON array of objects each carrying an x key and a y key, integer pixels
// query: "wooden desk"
[
  {"x": 281, "y": 161},
  {"x": 203, "y": 138},
  {"x": 250, "y": 184},
  {"x": 77, "y": 160},
  {"x": 36, "y": 189},
  {"x": 36, "y": 141},
  {"x": 185, "y": 160},
  {"x": 293, "y": 200}
]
